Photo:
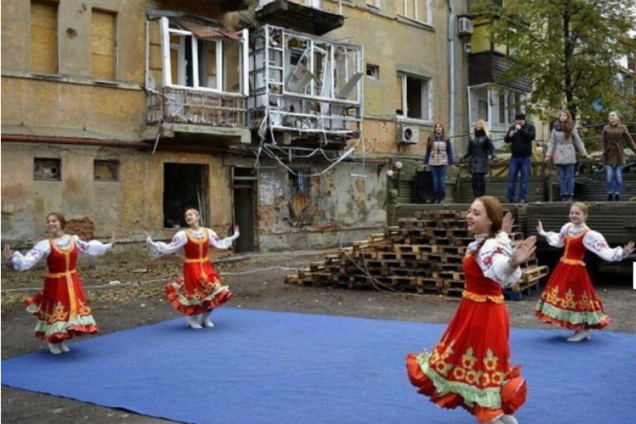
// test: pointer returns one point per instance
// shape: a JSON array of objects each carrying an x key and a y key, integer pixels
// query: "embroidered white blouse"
[
  {"x": 180, "y": 239},
  {"x": 493, "y": 259},
  {"x": 592, "y": 240},
  {"x": 43, "y": 248}
]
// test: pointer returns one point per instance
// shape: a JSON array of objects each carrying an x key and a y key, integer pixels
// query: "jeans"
[
  {"x": 479, "y": 184},
  {"x": 523, "y": 165},
  {"x": 566, "y": 179},
  {"x": 614, "y": 175},
  {"x": 438, "y": 173}
]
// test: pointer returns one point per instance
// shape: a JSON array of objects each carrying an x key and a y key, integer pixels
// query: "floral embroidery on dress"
[
  {"x": 490, "y": 361},
  {"x": 553, "y": 295},
  {"x": 568, "y": 302},
  {"x": 84, "y": 309},
  {"x": 57, "y": 314}
]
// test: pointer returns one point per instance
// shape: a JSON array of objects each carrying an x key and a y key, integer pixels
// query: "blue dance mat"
[{"x": 275, "y": 367}]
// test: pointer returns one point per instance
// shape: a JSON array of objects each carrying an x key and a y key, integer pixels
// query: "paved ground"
[{"x": 257, "y": 283}]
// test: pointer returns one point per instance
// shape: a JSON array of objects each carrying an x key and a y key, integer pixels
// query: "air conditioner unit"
[
  {"x": 464, "y": 27},
  {"x": 409, "y": 134}
]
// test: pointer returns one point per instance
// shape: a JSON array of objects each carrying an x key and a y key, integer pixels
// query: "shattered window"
[
  {"x": 414, "y": 97},
  {"x": 205, "y": 56},
  {"x": 373, "y": 71},
  {"x": 47, "y": 169},
  {"x": 106, "y": 170}
]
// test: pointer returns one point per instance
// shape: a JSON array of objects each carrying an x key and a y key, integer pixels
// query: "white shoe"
[
  {"x": 193, "y": 322},
  {"x": 64, "y": 348},
  {"x": 497, "y": 421},
  {"x": 54, "y": 348},
  {"x": 580, "y": 335},
  {"x": 205, "y": 320},
  {"x": 508, "y": 419}
]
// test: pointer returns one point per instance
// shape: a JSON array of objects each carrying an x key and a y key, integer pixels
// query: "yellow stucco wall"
[
  {"x": 70, "y": 103},
  {"x": 396, "y": 44}
]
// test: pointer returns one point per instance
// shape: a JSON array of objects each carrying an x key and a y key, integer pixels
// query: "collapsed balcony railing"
[{"x": 187, "y": 106}]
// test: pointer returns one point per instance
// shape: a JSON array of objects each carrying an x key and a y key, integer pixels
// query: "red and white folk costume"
[
  {"x": 569, "y": 299},
  {"x": 199, "y": 290},
  {"x": 61, "y": 308},
  {"x": 470, "y": 366}
]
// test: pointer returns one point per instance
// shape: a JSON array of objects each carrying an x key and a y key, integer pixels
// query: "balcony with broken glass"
[
  {"x": 196, "y": 81},
  {"x": 304, "y": 87}
]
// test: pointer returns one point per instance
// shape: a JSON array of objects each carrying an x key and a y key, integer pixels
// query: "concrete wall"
[
  {"x": 128, "y": 206},
  {"x": 348, "y": 207}
]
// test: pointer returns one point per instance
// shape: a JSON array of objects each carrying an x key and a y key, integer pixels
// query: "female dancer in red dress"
[
  {"x": 62, "y": 308},
  {"x": 569, "y": 299},
  {"x": 470, "y": 365},
  {"x": 199, "y": 291}
]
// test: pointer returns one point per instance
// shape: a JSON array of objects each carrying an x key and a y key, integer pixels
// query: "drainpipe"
[
  {"x": 451, "y": 68},
  {"x": 74, "y": 141}
]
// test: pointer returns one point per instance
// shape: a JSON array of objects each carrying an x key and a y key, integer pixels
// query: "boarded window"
[
  {"x": 103, "y": 44},
  {"x": 43, "y": 53},
  {"x": 106, "y": 170},
  {"x": 47, "y": 169}
]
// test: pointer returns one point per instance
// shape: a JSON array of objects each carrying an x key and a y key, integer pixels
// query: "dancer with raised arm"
[
  {"x": 199, "y": 290},
  {"x": 62, "y": 308},
  {"x": 569, "y": 299},
  {"x": 470, "y": 366}
]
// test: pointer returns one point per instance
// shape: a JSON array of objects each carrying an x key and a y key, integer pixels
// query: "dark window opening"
[
  {"x": 373, "y": 71},
  {"x": 106, "y": 170},
  {"x": 185, "y": 186},
  {"x": 47, "y": 169},
  {"x": 414, "y": 98}
]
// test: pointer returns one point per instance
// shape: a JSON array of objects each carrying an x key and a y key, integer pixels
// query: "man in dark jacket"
[{"x": 521, "y": 135}]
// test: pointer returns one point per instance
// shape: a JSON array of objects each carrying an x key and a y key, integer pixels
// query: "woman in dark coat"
[
  {"x": 614, "y": 140},
  {"x": 479, "y": 148}
]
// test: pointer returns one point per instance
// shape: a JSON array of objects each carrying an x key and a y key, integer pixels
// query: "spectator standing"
[{"x": 520, "y": 135}]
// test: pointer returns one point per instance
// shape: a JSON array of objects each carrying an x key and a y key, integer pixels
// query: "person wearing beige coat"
[
  {"x": 614, "y": 139},
  {"x": 562, "y": 152}
]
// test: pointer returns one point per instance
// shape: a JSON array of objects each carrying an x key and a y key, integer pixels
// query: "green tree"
[{"x": 569, "y": 48}]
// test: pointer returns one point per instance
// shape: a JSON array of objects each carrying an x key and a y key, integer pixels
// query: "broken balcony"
[
  {"x": 197, "y": 80},
  {"x": 304, "y": 87},
  {"x": 309, "y": 17}
]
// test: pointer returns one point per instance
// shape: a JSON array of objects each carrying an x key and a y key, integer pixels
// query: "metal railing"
[{"x": 188, "y": 106}]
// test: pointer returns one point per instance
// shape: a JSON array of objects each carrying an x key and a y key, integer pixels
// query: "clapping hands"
[{"x": 523, "y": 251}]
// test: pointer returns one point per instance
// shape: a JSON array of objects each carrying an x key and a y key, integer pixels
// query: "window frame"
[
  {"x": 427, "y": 102},
  {"x": 167, "y": 46},
  {"x": 429, "y": 9}
]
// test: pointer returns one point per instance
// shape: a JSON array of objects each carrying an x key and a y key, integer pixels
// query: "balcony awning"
[{"x": 206, "y": 30}]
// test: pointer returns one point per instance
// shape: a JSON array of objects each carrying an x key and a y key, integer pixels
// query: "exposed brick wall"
[{"x": 82, "y": 227}]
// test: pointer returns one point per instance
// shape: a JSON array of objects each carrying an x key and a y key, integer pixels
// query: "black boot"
[
  {"x": 563, "y": 198},
  {"x": 617, "y": 197},
  {"x": 610, "y": 197}
]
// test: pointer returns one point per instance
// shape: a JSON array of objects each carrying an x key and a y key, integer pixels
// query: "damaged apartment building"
[{"x": 280, "y": 116}]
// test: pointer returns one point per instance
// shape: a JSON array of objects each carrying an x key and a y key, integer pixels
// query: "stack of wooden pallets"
[{"x": 420, "y": 255}]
